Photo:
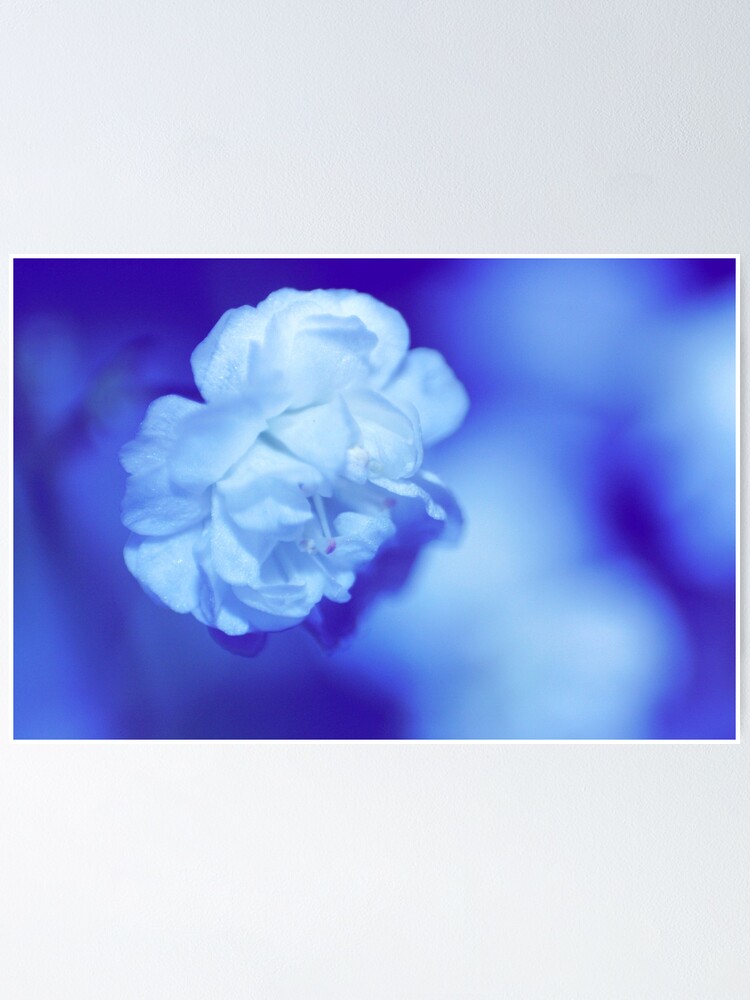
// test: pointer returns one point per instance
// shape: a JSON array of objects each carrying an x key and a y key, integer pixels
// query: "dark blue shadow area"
[{"x": 308, "y": 705}]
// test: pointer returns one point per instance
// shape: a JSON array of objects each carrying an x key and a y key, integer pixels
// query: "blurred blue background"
[{"x": 592, "y": 595}]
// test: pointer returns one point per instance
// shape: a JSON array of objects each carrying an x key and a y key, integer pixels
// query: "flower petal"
[
  {"x": 262, "y": 621},
  {"x": 167, "y": 568},
  {"x": 220, "y": 362},
  {"x": 153, "y": 506},
  {"x": 358, "y": 537},
  {"x": 320, "y": 435},
  {"x": 286, "y": 593},
  {"x": 158, "y": 432},
  {"x": 389, "y": 327},
  {"x": 320, "y": 354},
  {"x": 426, "y": 381},
  {"x": 267, "y": 492},
  {"x": 218, "y": 605},
  {"x": 390, "y": 434},
  {"x": 236, "y": 555},
  {"x": 433, "y": 497},
  {"x": 211, "y": 441}
]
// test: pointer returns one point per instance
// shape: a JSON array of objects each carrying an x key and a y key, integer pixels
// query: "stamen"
[
  {"x": 321, "y": 512},
  {"x": 329, "y": 575}
]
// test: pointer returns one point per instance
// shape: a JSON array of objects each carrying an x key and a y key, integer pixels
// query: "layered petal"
[
  {"x": 434, "y": 496},
  {"x": 290, "y": 586},
  {"x": 267, "y": 492},
  {"x": 321, "y": 435},
  {"x": 426, "y": 382},
  {"x": 153, "y": 505},
  {"x": 211, "y": 441},
  {"x": 167, "y": 568},
  {"x": 358, "y": 537},
  {"x": 160, "y": 429},
  {"x": 320, "y": 354},
  {"x": 235, "y": 553},
  {"x": 220, "y": 608},
  {"x": 390, "y": 435},
  {"x": 220, "y": 363},
  {"x": 389, "y": 328}
]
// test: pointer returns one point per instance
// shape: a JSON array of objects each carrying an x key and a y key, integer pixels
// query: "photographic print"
[{"x": 471, "y": 498}]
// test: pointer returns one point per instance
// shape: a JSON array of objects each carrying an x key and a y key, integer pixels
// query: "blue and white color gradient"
[{"x": 592, "y": 595}]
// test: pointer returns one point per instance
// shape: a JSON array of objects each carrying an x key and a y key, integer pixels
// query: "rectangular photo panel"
[{"x": 472, "y": 498}]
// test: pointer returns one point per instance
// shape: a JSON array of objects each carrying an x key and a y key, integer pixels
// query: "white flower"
[{"x": 303, "y": 462}]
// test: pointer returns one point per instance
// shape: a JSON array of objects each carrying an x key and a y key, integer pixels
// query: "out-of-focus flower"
[
  {"x": 681, "y": 450},
  {"x": 303, "y": 463}
]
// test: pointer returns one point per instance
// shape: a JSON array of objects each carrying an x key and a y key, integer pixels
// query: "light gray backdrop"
[{"x": 368, "y": 871}]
